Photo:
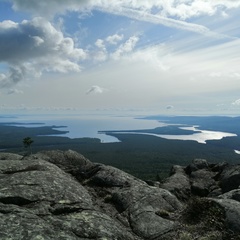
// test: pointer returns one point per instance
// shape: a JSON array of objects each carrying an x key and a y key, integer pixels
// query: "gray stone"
[
  {"x": 202, "y": 182},
  {"x": 32, "y": 181},
  {"x": 200, "y": 163},
  {"x": 178, "y": 183},
  {"x": 107, "y": 176},
  {"x": 40, "y": 201},
  {"x": 196, "y": 165},
  {"x": 232, "y": 211},
  {"x": 233, "y": 194},
  {"x": 62, "y": 195},
  {"x": 10, "y": 156},
  {"x": 148, "y": 209},
  {"x": 230, "y": 178}
]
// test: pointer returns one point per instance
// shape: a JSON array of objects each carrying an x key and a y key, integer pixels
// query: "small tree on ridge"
[{"x": 27, "y": 142}]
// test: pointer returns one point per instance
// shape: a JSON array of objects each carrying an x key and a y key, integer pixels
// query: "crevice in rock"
[
  {"x": 28, "y": 169},
  {"x": 20, "y": 201},
  {"x": 91, "y": 171},
  {"x": 27, "y": 184},
  {"x": 66, "y": 210},
  {"x": 5, "y": 211},
  {"x": 170, "y": 203}
]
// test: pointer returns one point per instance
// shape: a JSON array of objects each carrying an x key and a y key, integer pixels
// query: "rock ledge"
[{"x": 63, "y": 195}]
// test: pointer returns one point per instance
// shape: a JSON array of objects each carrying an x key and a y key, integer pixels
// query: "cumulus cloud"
[
  {"x": 169, "y": 107},
  {"x": 3, "y": 79},
  {"x": 14, "y": 91},
  {"x": 126, "y": 47},
  {"x": 34, "y": 46},
  {"x": 101, "y": 52},
  {"x": 95, "y": 90},
  {"x": 236, "y": 103},
  {"x": 100, "y": 43},
  {"x": 114, "y": 39}
]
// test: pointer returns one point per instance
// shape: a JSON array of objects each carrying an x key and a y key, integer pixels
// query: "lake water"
[
  {"x": 201, "y": 136},
  {"x": 87, "y": 125},
  {"x": 80, "y": 126}
]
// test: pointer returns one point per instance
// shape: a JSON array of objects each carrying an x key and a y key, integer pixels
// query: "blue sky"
[{"x": 163, "y": 57}]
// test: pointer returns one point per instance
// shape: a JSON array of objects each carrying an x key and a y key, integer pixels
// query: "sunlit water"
[
  {"x": 79, "y": 126},
  {"x": 201, "y": 136}
]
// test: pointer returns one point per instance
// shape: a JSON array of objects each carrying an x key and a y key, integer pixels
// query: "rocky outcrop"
[
  {"x": 178, "y": 183},
  {"x": 63, "y": 195},
  {"x": 230, "y": 178},
  {"x": 214, "y": 190}
]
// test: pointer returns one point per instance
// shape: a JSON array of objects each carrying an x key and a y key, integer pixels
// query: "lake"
[
  {"x": 90, "y": 125},
  {"x": 79, "y": 126}
]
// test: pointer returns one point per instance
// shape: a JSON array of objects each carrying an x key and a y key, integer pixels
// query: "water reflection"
[{"x": 201, "y": 136}]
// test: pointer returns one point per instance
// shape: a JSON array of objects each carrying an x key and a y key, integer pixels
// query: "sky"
[{"x": 178, "y": 57}]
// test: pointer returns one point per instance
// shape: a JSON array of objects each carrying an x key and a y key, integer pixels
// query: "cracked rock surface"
[{"x": 63, "y": 195}]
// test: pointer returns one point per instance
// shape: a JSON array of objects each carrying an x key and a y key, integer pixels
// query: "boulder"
[
  {"x": 40, "y": 201},
  {"x": 178, "y": 183},
  {"x": 230, "y": 178},
  {"x": 233, "y": 194},
  {"x": 147, "y": 210},
  {"x": 37, "y": 180},
  {"x": 202, "y": 182},
  {"x": 232, "y": 213},
  {"x": 9, "y": 156},
  {"x": 196, "y": 165},
  {"x": 107, "y": 176},
  {"x": 69, "y": 161},
  {"x": 62, "y": 195}
]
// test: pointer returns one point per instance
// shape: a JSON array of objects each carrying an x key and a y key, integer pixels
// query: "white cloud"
[
  {"x": 169, "y": 107},
  {"x": 95, "y": 90},
  {"x": 156, "y": 55},
  {"x": 14, "y": 91},
  {"x": 158, "y": 12},
  {"x": 182, "y": 9},
  {"x": 236, "y": 103},
  {"x": 114, "y": 39},
  {"x": 100, "y": 43},
  {"x": 38, "y": 41},
  {"x": 100, "y": 54},
  {"x": 35, "y": 46},
  {"x": 159, "y": 19},
  {"x": 49, "y": 8},
  {"x": 126, "y": 47},
  {"x": 2, "y": 77}
]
